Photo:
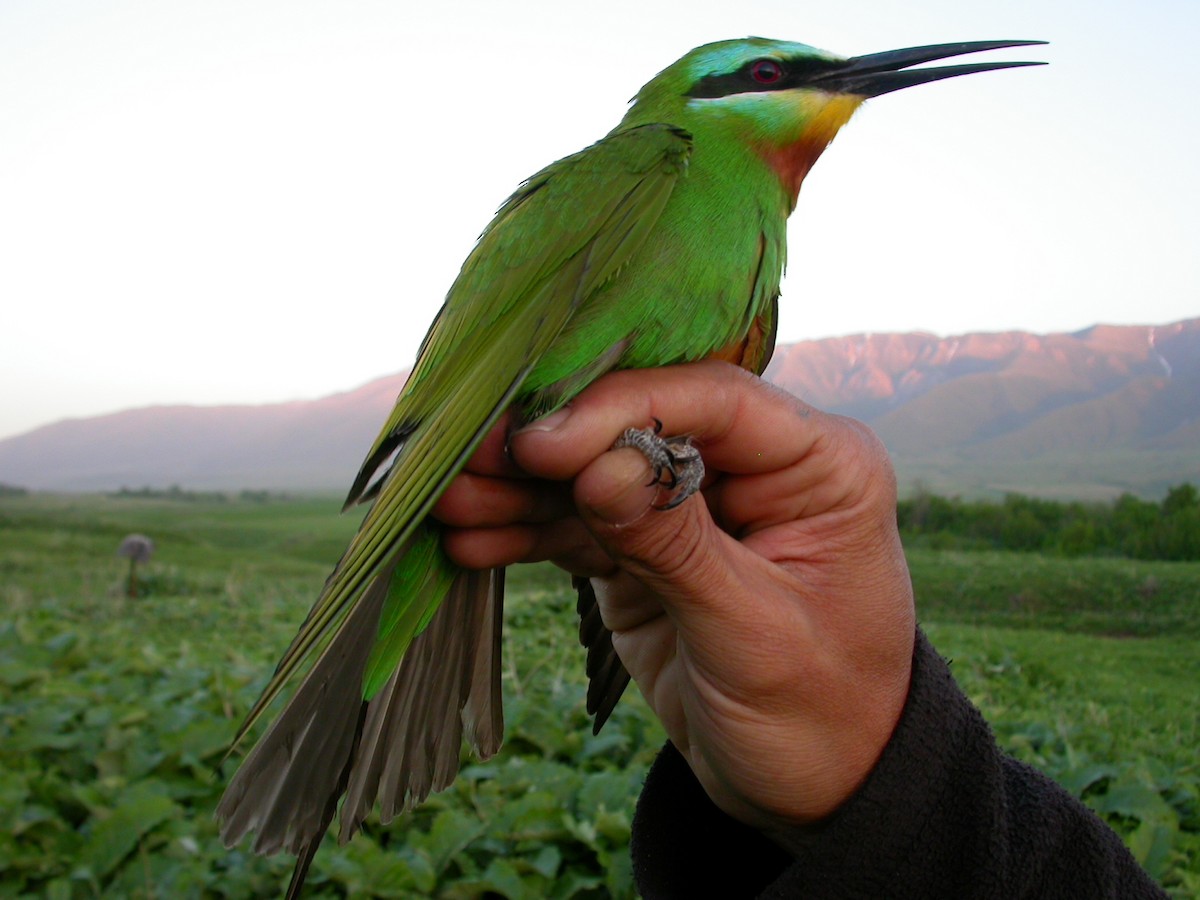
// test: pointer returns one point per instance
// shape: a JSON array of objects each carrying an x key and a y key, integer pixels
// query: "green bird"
[{"x": 662, "y": 243}]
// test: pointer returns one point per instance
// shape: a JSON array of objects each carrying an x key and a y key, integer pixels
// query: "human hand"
[{"x": 769, "y": 623}]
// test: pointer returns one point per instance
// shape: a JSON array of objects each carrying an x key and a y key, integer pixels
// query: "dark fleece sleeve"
[{"x": 944, "y": 814}]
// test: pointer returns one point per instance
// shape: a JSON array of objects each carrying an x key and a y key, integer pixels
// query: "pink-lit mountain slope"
[{"x": 1090, "y": 413}]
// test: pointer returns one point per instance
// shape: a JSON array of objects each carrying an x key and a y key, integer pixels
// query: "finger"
[
  {"x": 736, "y": 425},
  {"x": 491, "y": 457},
  {"x": 850, "y": 465},
  {"x": 625, "y": 602},
  {"x": 718, "y": 593},
  {"x": 745, "y": 427},
  {"x": 477, "y": 501},
  {"x": 566, "y": 543}
]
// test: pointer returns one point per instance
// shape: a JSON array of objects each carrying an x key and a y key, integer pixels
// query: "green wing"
[{"x": 563, "y": 235}]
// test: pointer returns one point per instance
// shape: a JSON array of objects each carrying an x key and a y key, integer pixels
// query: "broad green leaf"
[
  {"x": 547, "y": 861},
  {"x": 1152, "y": 843},
  {"x": 502, "y": 877},
  {"x": 201, "y": 740},
  {"x": 452, "y": 831},
  {"x": 533, "y": 817},
  {"x": 574, "y": 883},
  {"x": 614, "y": 825},
  {"x": 619, "y": 876},
  {"x": 19, "y": 673},
  {"x": 114, "y": 837},
  {"x": 610, "y": 790},
  {"x": 14, "y": 791},
  {"x": 1078, "y": 780},
  {"x": 1134, "y": 798}
]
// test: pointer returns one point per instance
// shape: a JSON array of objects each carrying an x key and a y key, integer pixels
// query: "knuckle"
[
  {"x": 865, "y": 451},
  {"x": 673, "y": 549}
]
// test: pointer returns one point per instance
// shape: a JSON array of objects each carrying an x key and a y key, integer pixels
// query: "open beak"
[{"x": 882, "y": 73}]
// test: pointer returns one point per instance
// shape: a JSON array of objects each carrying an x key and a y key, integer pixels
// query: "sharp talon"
[
  {"x": 670, "y": 504},
  {"x": 675, "y": 464}
]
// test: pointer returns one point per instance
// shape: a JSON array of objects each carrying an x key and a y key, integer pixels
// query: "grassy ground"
[{"x": 114, "y": 712}]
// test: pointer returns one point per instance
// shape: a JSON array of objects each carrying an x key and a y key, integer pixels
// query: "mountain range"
[{"x": 1086, "y": 414}]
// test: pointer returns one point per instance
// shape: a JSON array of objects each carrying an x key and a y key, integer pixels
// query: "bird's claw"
[{"x": 675, "y": 461}]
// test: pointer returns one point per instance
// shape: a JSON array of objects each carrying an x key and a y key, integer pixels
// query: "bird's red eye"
[{"x": 766, "y": 71}]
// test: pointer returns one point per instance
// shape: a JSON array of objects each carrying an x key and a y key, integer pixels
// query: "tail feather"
[
  {"x": 304, "y": 860},
  {"x": 607, "y": 675},
  {"x": 448, "y": 680},
  {"x": 398, "y": 747},
  {"x": 284, "y": 787},
  {"x": 300, "y": 872},
  {"x": 483, "y": 714}
]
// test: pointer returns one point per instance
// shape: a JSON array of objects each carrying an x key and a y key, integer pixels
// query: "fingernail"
[
  {"x": 631, "y": 493},
  {"x": 547, "y": 423}
]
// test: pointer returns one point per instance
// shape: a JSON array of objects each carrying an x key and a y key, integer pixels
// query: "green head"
[{"x": 785, "y": 100}]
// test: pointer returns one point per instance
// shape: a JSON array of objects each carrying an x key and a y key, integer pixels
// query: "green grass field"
[{"x": 115, "y": 712}]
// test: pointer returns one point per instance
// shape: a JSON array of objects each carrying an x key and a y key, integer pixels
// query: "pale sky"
[{"x": 228, "y": 201}]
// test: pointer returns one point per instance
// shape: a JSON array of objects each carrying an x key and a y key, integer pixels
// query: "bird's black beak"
[{"x": 882, "y": 73}]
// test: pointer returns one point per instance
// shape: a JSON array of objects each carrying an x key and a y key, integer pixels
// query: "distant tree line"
[
  {"x": 175, "y": 492},
  {"x": 1128, "y": 526}
]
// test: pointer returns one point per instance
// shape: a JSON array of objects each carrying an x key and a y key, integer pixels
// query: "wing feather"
[{"x": 557, "y": 241}]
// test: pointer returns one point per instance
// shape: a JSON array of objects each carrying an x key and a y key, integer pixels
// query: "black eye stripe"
[{"x": 793, "y": 73}]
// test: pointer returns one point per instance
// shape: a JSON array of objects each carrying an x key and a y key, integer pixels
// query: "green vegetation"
[
  {"x": 115, "y": 712},
  {"x": 1130, "y": 527}
]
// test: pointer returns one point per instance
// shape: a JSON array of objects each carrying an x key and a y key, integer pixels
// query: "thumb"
[{"x": 679, "y": 554}]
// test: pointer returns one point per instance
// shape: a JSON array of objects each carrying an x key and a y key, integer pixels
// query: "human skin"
[{"x": 768, "y": 622}]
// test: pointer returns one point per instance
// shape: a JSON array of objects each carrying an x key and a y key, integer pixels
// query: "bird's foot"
[{"x": 676, "y": 463}]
